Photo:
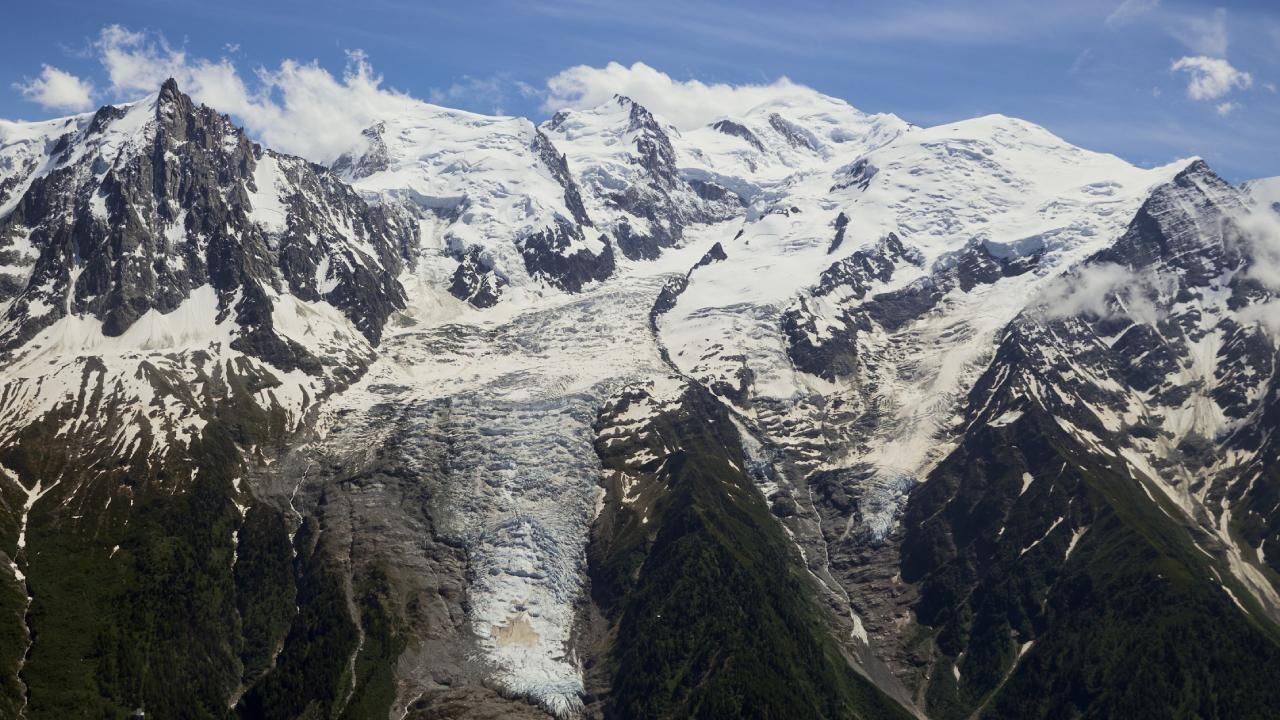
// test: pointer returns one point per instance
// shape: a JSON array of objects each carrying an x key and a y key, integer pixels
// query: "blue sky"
[{"x": 1150, "y": 80}]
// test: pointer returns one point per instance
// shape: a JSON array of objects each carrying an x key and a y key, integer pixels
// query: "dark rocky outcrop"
[
  {"x": 729, "y": 127},
  {"x": 559, "y": 255},
  {"x": 475, "y": 281}
]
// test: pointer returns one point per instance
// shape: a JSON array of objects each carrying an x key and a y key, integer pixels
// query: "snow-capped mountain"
[
  {"x": 805, "y": 412},
  {"x": 498, "y": 210},
  {"x": 156, "y": 250}
]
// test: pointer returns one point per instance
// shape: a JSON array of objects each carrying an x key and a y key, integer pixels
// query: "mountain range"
[{"x": 807, "y": 412}]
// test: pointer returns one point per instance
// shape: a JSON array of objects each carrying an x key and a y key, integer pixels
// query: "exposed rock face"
[
  {"x": 475, "y": 282},
  {"x": 376, "y": 157},
  {"x": 795, "y": 135},
  {"x": 959, "y": 505},
  {"x": 729, "y": 127},
  {"x": 1068, "y": 391},
  {"x": 637, "y": 190},
  {"x": 832, "y": 351},
  {"x": 559, "y": 167},
  {"x": 658, "y": 551},
  {"x": 153, "y": 201},
  {"x": 562, "y": 257}
]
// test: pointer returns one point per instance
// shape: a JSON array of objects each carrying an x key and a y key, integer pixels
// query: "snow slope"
[
  {"x": 479, "y": 183},
  {"x": 1002, "y": 185}
]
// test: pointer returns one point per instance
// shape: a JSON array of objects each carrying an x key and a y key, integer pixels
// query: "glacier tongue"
[{"x": 495, "y": 415}]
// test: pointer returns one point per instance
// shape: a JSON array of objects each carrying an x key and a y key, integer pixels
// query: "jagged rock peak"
[{"x": 162, "y": 197}]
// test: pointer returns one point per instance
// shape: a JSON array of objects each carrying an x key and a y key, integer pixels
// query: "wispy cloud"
[
  {"x": 489, "y": 94},
  {"x": 809, "y": 28},
  {"x": 1205, "y": 35},
  {"x": 1129, "y": 11},
  {"x": 1200, "y": 32},
  {"x": 1081, "y": 61}
]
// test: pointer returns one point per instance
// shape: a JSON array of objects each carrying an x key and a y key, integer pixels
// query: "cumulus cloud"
[
  {"x": 1226, "y": 108},
  {"x": 135, "y": 62},
  {"x": 1211, "y": 78},
  {"x": 298, "y": 108},
  {"x": 318, "y": 115},
  {"x": 304, "y": 109},
  {"x": 57, "y": 89},
  {"x": 687, "y": 104}
]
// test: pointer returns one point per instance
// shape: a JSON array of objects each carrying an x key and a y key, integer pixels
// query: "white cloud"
[
  {"x": 1130, "y": 10},
  {"x": 1204, "y": 35},
  {"x": 298, "y": 108},
  {"x": 1211, "y": 78},
  {"x": 135, "y": 62},
  {"x": 1226, "y": 108},
  {"x": 303, "y": 109},
  {"x": 1260, "y": 234},
  {"x": 1088, "y": 291},
  {"x": 58, "y": 90},
  {"x": 1107, "y": 290},
  {"x": 685, "y": 103},
  {"x": 1266, "y": 314}
]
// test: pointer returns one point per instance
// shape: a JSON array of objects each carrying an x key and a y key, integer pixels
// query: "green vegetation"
[
  {"x": 375, "y": 668},
  {"x": 310, "y": 677},
  {"x": 1134, "y": 624},
  {"x": 168, "y": 601},
  {"x": 12, "y": 609},
  {"x": 151, "y": 625},
  {"x": 1133, "y": 632},
  {"x": 714, "y": 616},
  {"x": 264, "y": 588}
]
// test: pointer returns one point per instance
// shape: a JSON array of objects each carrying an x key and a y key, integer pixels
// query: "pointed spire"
[{"x": 170, "y": 89}]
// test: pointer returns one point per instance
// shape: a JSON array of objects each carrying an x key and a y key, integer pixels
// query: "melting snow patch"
[
  {"x": 1052, "y": 527},
  {"x": 1008, "y": 418},
  {"x": 1075, "y": 538}
]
